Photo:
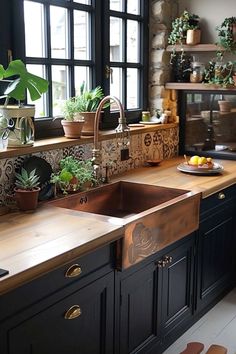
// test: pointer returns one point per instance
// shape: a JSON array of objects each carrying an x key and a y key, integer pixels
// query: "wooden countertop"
[
  {"x": 167, "y": 175},
  {"x": 34, "y": 243}
]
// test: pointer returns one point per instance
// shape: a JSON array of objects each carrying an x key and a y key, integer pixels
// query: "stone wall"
[{"x": 162, "y": 12}]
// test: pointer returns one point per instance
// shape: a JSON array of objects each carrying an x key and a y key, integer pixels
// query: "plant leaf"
[{"x": 17, "y": 89}]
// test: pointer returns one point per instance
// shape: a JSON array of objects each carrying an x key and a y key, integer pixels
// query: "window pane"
[
  {"x": 41, "y": 109},
  {"x": 86, "y": 2},
  {"x": 59, "y": 45},
  {"x": 132, "y": 88},
  {"x": 82, "y": 73},
  {"x": 34, "y": 29},
  {"x": 133, "y": 7},
  {"x": 59, "y": 88},
  {"x": 116, "y": 84},
  {"x": 116, "y": 5},
  {"x": 81, "y": 35},
  {"x": 132, "y": 41},
  {"x": 116, "y": 51}
]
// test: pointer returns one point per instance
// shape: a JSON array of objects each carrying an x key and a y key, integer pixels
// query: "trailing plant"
[
  {"x": 180, "y": 25},
  {"x": 73, "y": 174},
  {"x": 226, "y": 34},
  {"x": 219, "y": 73},
  {"x": 26, "y": 181},
  {"x": 20, "y": 81}
]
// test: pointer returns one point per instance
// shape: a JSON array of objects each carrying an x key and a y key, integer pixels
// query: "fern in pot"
[
  {"x": 26, "y": 190},
  {"x": 83, "y": 107}
]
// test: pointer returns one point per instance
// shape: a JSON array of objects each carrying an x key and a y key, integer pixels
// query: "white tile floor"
[{"x": 218, "y": 326}]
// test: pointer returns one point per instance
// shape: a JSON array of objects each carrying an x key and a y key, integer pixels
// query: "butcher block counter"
[{"x": 34, "y": 243}]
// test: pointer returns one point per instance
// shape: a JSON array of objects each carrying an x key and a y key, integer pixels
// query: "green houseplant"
[
  {"x": 20, "y": 81},
  {"x": 219, "y": 73},
  {"x": 83, "y": 108},
  {"x": 26, "y": 189},
  {"x": 181, "y": 25},
  {"x": 227, "y": 34},
  {"x": 74, "y": 175},
  {"x": 185, "y": 30}
]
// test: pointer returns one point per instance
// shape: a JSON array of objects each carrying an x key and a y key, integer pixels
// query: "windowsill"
[{"x": 62, "y": 142}]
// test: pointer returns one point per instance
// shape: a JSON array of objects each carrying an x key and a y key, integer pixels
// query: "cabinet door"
[
  {"x": 90, "y": 331},
  {"x": 177, "y": 288},
  {"x": 216, "y": 254},
  {"x": 139, "y": 316}
]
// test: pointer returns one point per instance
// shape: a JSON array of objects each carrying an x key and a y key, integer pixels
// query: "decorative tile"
[{"x": 154, "y": 145}]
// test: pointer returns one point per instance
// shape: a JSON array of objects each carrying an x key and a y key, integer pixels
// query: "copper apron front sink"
[
  {"x": 153, "y": 216},
  {"x": 120, "y": 199}
]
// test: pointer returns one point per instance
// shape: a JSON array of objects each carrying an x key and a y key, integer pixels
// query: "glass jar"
[
  {"x": 146, "y": 115},
  {"x": 197, "y": 72}
]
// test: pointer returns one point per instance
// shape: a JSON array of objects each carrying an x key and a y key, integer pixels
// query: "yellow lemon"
[
  {"x": 202, "y": 160},
  {"x": 194, "y": 160}
]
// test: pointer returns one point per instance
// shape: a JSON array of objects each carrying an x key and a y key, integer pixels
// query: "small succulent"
[{"x": 25, "y": 180}]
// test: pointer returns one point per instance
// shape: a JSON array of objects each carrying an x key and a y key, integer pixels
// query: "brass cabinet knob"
[
  {"x": 168, "y": 259},
  {"x": 221, "y": 196},
  {"x": 73, "y": 312},
  {"x": 73, "y": 271}
]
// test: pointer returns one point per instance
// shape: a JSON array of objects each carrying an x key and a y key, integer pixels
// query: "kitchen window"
[{"x": 70, "y": 41}]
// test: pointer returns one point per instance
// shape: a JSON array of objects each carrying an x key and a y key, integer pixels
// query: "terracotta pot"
[
  {"x": 72, "y": 129},
  {"x": 193, "y": 36},
  {"x": 88, "y": 127},
  {"x": 225, "y": 106},
  {"x": 27, "y": 199}
]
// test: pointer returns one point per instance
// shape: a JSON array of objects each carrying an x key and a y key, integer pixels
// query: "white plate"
[
  {"x": 148, "y": 123},
  {"x": 217, "y": 168}
]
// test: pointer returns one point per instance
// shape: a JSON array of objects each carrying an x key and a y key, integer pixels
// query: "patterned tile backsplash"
[{"x": 160, "y": 144}]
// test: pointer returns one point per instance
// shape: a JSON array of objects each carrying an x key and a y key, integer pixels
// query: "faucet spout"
[
  {"x": 98, "y": 114},
  {"x": 96, "y": 151}
]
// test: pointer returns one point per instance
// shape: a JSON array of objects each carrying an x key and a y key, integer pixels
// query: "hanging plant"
[
  {"x": 227, "y": 34},
  {"x": 180, "y": 25}
]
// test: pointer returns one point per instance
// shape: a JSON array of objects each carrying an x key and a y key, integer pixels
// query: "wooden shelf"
[
  {"x": 194, "y": 48},
  {"x": 193, "y": 86}
]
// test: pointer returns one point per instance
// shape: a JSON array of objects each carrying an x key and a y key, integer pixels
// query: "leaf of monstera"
[
  {"x": 26, "y": 81},
  {"x": 2, "y": 71}
]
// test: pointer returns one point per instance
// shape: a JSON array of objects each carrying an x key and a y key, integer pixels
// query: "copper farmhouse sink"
[
  {"x": 153, "y": 217},
  {"x": 120, "y": 199}
]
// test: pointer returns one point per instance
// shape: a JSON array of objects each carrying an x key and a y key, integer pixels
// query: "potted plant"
[
  {"x": 181, "y": 25},
  {"x": 19, "y": 82},
  {"x": 219, "y": 73},
  {"x": 72, "y": 122},
  {"x": 74, "y": 175},
  {"x": 83, "y": 107},
  {"x": 27, "y": 190},
  {"x": 227, "y": 34}
]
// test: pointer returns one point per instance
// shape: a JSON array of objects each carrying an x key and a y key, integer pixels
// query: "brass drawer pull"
[
  {"x": 221, "y": 196},
  {"x": 73, "y": 312},
  {"x": 73, "y": 271}
]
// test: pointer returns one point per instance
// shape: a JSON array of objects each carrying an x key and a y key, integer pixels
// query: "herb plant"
[
  {"x": 87, "y": 101},
  {"x": 73, "y": 174}
]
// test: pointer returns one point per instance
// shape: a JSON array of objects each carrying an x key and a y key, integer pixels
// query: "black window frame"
[{"x": 12, "y": 38}]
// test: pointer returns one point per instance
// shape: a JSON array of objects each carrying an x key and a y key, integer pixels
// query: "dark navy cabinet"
[
  {"x": 140, "y": 310},
  {"x": 216, "y": 248},
  {"x": 156, "y": 300},
  {"x": 76, "y": 318}
]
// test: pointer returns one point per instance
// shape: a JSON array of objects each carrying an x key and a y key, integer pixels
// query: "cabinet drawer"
[
  {"x": 77, "y": 270},
  {"x": 218, "y": 199}
]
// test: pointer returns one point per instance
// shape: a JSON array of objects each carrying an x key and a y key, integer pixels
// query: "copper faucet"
[{"x": 122, "y": 123}]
